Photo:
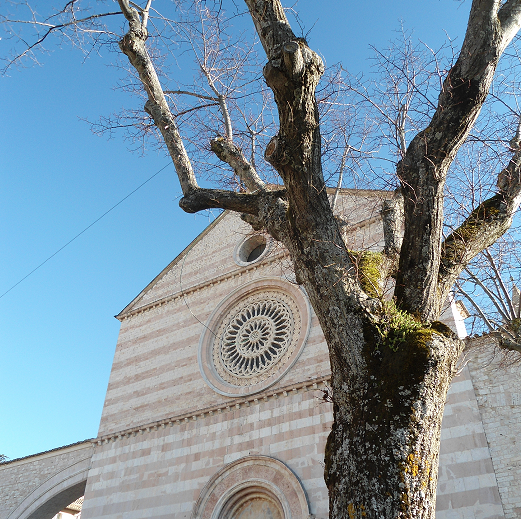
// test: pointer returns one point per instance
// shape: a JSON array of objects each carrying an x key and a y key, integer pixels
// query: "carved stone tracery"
[{"x": 256, "y": 335}]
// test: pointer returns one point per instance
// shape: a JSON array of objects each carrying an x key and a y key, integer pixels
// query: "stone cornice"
[
  {"x": 50, "y": 453},
  {"x": 319, "y": 384},
  {"x": 236, "y": 273}
]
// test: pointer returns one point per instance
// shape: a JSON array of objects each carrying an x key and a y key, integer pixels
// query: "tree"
[
  {"x": 391, "y": 361},
  {"x": 494, "y": 301}
]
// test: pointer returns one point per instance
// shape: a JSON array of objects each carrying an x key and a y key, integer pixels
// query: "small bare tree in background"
[
  {"x": 277, "y": 136},
  {"x": 489, "y": 285}
]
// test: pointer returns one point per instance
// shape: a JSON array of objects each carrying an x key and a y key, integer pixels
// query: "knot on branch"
[
  {"x": 133, "y": 38},
  {"x": 507, "y": 179},
  {"x": 273, "y": 214},
  {"x": 274, "y": 75},
  {"x": 292, "y": 61},
  {"x": 191, "y": 203},
  {"x": 162, "y": 119},
  {"x": 274, "y": 152}
]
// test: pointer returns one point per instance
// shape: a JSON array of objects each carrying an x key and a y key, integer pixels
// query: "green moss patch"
[
  {"x": 368, "y": 268},
  {"x": 485, "y": 212}
]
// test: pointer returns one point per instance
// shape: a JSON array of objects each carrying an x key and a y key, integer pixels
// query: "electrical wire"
[{"x": 84, "y": 230}]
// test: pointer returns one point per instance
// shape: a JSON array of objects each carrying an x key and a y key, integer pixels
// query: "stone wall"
[
  {"x": 467, "y": 486},
  {"x": 161, "y": 471},
  {"x": 497, "y": 383},
  {"x": 24, "y": 482}
]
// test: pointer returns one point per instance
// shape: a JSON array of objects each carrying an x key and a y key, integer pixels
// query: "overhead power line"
[{"x": 84, "y": 230}]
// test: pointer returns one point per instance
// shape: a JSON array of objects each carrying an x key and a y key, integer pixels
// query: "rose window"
[{"x": 254, "y": 337}]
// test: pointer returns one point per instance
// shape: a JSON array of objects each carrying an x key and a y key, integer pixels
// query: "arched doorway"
[
  {"x": 253, "y": 487},
  {"x": 252, "y": 503}
]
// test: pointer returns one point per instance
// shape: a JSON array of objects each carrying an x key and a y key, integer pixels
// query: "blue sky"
[{"x": 57, "y": 329}]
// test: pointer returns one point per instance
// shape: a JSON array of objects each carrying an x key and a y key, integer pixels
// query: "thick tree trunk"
[
  {"x": 389, "y": 389},
  {"x": 382, "y": 454}
]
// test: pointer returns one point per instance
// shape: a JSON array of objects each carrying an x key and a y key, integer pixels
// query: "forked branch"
[{"x": 424, "y": 169}]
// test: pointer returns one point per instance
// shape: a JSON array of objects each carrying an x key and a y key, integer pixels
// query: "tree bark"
[{"x": 382, "y": 454}]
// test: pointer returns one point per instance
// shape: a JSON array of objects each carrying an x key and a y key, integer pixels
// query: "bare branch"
[
  {"x": 476, "y": 306},
  {"x": 130, "y": 13},
  {"x": 510, "y": 17},
  {"x": 194, "y": 94},
  {"x": 424, "y": 169},
  {"x": 400, "y": 126},
  {"x": 499, "y": 279},
  {"x": 232, "y": 155},
  {"x": 146, "y": 12},
  {"x": 222, "y": 103},
  {"x": 496, "y": 301},
  {"x": 133, "y": 45},
  {"x": 52, "y": 28},
  {"x": 392, "y": 218},
  {"x": 483, "y": 227},
  {"x": 271, "y": 23},
  {"x": 254, "y": 204},
  {"x": 340, "y": 176}
]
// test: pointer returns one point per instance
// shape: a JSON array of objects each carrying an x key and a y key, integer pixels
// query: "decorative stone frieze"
[
  {"x": 320, "y": 385},
  {"x": 177, "y": 296}
]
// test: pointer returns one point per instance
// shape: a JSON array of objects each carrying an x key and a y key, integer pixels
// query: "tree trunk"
[
  {"x": 389, "y": 385},
  {"x": 382, "y": 453}
]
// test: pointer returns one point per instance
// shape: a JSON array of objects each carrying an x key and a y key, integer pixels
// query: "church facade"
[{"x": 217, "y": 404}]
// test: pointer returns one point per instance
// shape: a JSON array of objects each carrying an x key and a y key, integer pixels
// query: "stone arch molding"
[
  {"x": 55, "y": 493},
  {"x": 279, "y": 313},
  {"x": 252, "y": 477}
]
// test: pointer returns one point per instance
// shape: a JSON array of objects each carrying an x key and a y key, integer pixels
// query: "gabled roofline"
[
  {"x": 330, "y": 190},
  {"x": 179, "y": 257}
]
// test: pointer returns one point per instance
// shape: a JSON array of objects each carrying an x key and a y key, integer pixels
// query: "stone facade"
[
  {"x": 467, "y": 486},
  {"x": 39, "y": 486},
  {"x": 180, "y": 438}
]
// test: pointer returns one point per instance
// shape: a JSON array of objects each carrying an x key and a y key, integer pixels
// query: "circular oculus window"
[
  {"x": 253, "y": 337},
  {"x": 251, "y": 249}
]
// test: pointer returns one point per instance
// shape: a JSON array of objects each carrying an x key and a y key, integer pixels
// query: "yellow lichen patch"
[
  {"x": 426, "y": 471},
  {"x": 352, "y": 511},
  {"x": 413, "y": 466},
  {"x": 405, "y": 502}
]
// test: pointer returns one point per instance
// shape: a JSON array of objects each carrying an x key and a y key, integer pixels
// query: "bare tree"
[
  {"x": 391, "y": 362},
  {"x": 493, "y": 299}
]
